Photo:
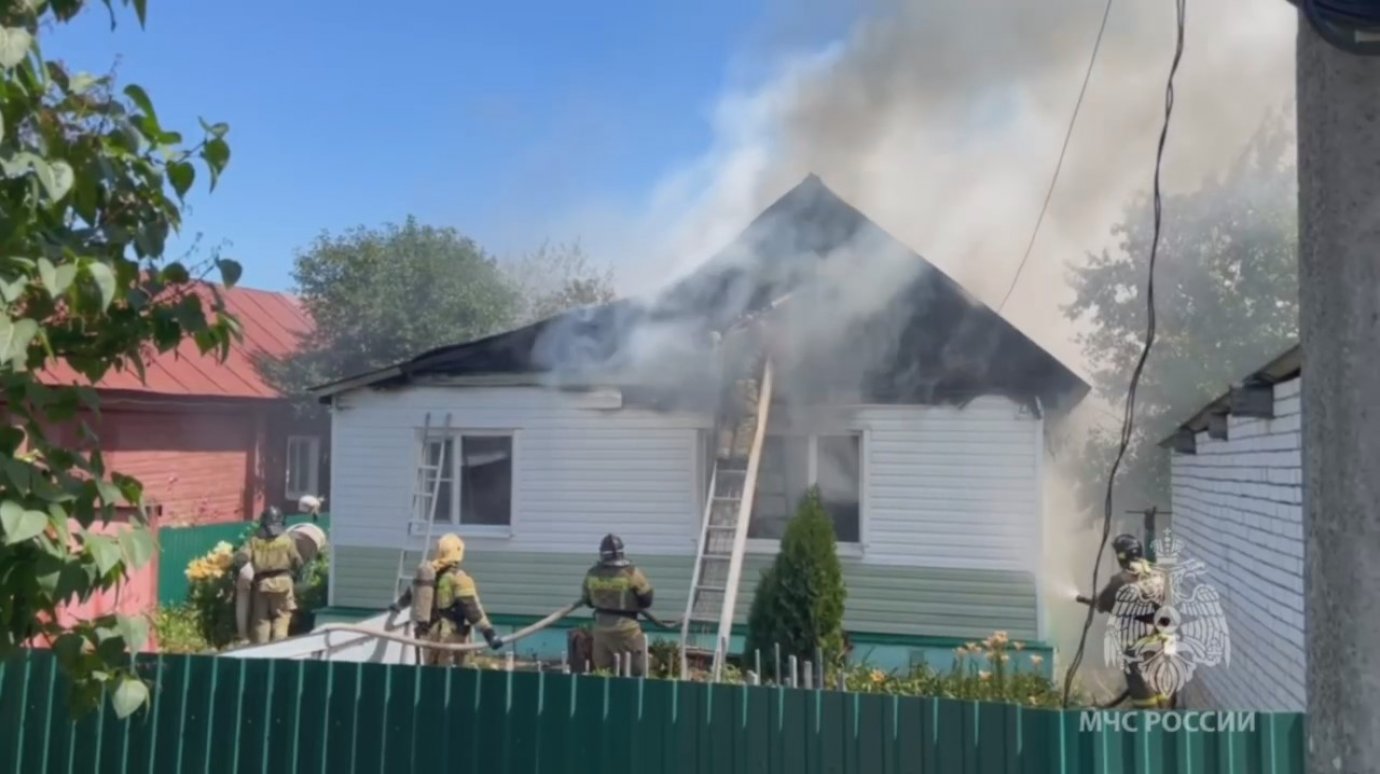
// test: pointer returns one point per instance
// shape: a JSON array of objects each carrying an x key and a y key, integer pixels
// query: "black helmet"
[
  {"x": 1128, "y": 549},
  {"x": 271, "y": 522},
  {"x": 611, "y": 549}
]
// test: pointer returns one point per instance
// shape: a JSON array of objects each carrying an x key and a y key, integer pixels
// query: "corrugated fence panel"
[
  {"x": 178, "y": 546},
  {"x": 247, "y": 715}
]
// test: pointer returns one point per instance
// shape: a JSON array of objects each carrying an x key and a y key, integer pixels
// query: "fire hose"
[{"x": 470, "y": 647}]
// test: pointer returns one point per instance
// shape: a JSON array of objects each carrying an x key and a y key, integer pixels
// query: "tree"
[
  {"x": 799, "y": 599},
  {"x": 556, "y": 278},
  {"x": 1226, "y": 302},
  {"x": 379, "y": 296},
  {"x": 92, "y": 187}
]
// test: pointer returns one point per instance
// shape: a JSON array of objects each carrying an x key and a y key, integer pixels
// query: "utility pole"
[{"x": 1339, "y": 319}]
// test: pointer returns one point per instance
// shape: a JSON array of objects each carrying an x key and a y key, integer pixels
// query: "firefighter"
[
  {"x": 445, "y": 603},
  {"x": 618, "y": 592},
  {"x": 274, "y": 557},
  {"x": 1138, "y": 623}
]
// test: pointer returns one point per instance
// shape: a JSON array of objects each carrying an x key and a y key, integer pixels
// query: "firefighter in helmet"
[
  {"x": 273, "y": 554},
  {"x": 618, "y": 592},
  {"x": 445, "y": 603},
  {"x": 1135, "y": 595}
]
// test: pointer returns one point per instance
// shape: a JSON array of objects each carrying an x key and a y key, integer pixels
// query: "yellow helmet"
[{"x": 450, "y": 550}]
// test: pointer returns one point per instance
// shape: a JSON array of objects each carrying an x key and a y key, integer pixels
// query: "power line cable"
[
  {"x": 1063, "y": 150},
  {"x": 1128, "y": 419}
]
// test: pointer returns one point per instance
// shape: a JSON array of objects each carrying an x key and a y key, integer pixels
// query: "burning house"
[{"x": 917, "y": 411}]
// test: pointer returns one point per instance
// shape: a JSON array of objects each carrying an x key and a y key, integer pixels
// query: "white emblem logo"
[{"x": 1168, "y": 621}]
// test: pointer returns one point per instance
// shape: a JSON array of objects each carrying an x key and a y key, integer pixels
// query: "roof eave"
[{"x": 1283, "y": 368}]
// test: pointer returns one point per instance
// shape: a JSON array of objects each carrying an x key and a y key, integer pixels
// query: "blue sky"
[{"x": 488, "y": 117}]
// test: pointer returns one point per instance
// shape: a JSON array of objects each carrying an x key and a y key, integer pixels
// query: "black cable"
[
  {"x": 1340, "y": 22},
  {"x": 1128, "y": 419},
  {"x": 1058, "y": 165}
]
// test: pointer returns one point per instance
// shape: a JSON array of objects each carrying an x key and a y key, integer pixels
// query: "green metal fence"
[
  {"x": 231, "y": 715},
  {"x": 180, "y": 545}
]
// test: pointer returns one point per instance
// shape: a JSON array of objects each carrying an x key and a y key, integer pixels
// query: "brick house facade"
[{"x": 1238, "y": 507}]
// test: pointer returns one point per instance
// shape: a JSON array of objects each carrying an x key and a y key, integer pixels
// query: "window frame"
[
  {"x": 314, "y": 456},
  {"x": 451, "y": 520},
  {"x": 772, "y": 546}
]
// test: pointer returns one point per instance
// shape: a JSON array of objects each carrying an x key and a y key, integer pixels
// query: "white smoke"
[{"x": 942, "y": 120}]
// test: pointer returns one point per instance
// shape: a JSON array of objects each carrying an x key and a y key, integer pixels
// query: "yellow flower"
[
  {"x": 878, "y": 677},
  {"x": 999, "y": 639},
  {"x": 1036, "y": 659},
  {"x": 1018, "y": 645},
  {"x": 972, "y": 647},
  {"x": 960, "y": 652},
  {"x": 984, "y": 675}
]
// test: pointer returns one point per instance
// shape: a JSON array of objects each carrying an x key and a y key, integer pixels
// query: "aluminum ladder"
[
  {"x": 421, "y": 518},
  {"x": 739, "y": 430}
]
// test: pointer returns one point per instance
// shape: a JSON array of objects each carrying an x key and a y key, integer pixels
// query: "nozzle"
[{"x": 1083, "y": 600}]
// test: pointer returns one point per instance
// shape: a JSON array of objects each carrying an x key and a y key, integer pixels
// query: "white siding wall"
[
  {"x": 951, "y": 487},
  {"x": 1238, "y": 507},
  {"x": 953, "y": 490},
  {"x": 579, "y": 471}
]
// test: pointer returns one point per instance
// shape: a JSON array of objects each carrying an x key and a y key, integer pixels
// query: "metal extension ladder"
[
  {"x": 739, "y": 430},
  {"x": 425, "y": 493}
]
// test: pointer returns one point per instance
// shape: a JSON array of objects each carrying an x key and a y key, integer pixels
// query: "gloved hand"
[
  {"x": 493, "y": 639},
  {"x": 394, "y": 608}
]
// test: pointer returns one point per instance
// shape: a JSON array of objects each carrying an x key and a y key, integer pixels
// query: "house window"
[
  {"x": 303, "y": 466},
  {"x": 483, "y": 468},
  {"x": 791, "y": 465}
]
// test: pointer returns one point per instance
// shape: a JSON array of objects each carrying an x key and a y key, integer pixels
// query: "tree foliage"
[
  {"x": 799, "y": 600},
  {"x": 1226, "y": 301},
  {"x": 380, "y": 296},
  {"x": 556, "y": 278},
  {"x": 92, "y": 186}
]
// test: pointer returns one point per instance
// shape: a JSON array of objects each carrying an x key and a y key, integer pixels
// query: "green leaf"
[
  {"x": 182, "y": 174},
  {"x": 217, "y": 155},
  {"x": 20, "y": 524},
  {"x": 104, "y": 551},
  {"x": 82, "y": 83},
  {"x": 230, "y": 271},
  {"x": 56, "y": 278},
  {"x": 104, "y": 277},
  {"x": 175, "y": 273},
  {"x": 15, "y": 337},
  {"x": 63, "y": 178},
  {"x": 138, "y": 547},
  {"x": 215, "y": 130},
  {"x": 133, "y": 629},
  {"x": 14, "y": 46},
  {"x": 131, "y": 693},
  {"x": 141, "y": 9},
  {"x": 109, "y": 493},
  {"x": 141, "y": 99}
]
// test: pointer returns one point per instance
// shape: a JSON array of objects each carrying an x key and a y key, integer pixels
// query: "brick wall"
[{"x": 1238, "y": 508}]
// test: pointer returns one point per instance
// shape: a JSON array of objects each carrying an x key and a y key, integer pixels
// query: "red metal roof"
[{"x": 272, "y": 324}]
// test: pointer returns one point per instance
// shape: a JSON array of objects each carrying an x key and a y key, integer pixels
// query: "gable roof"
[
  {"x": 952, "y": 347},
  {"x": 272, "y": 325}
]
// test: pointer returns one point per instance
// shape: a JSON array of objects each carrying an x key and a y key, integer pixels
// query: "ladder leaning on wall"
[
  {"x": 739, "y": 430},
  {"x": 421, "y": 517}
]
